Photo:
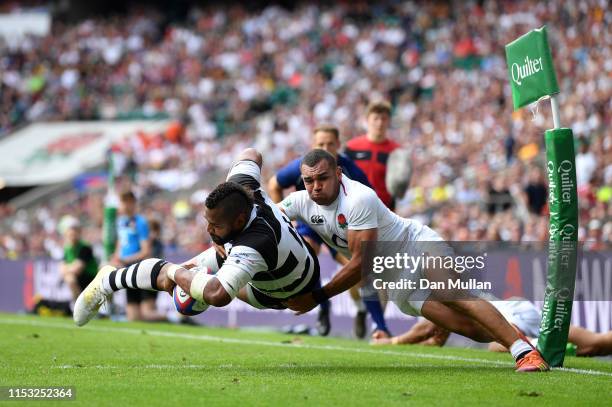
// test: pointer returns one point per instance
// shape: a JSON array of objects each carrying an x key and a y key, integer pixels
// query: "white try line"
[{"x": 209, "y": 338}]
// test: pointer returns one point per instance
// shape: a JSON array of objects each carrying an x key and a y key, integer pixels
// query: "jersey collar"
[{"x": 251, "y": 218}]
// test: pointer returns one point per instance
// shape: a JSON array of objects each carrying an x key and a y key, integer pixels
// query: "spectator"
[
  {"x": 371, "y": 151},
  {"x": 536, "y": 192},
  {"x": 157, "y": 246},
  {"x": 133, "y": 245},
  {"x": 79, "y": 266},
  {"x": 586, "y": 164},
  {"x": 233, "y": 79}
]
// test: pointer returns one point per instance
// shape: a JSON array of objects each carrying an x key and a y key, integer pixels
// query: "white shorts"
[
  {"x": 521, "y": 313},
  {"x": 411, "y": 302}
]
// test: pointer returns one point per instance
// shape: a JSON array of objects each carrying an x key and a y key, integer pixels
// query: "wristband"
[
  {"x": 196, "y": 290},
  {"x": 172, "y": 271},
  {"x": 319, "y": 295}
]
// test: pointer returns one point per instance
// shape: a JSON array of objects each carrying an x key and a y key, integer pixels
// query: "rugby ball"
[{"x": 186, "y": 305}]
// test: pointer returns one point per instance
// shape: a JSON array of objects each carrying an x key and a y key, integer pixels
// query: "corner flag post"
[
  {"x": 109, "y": 231},
  {"x": 532, "y": 77}
]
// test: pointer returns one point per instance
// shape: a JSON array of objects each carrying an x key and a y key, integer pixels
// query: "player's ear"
[
  {"x": 240, "y": 221},
  {"x": 339, "y": 172}
]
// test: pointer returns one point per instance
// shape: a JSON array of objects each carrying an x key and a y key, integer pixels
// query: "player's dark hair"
[
  {"x": 232, "y": 198},
  {"x": 127, "y": 196},
  {"x": 316, "y": 156},
  {"x": 154, "y": 225}
]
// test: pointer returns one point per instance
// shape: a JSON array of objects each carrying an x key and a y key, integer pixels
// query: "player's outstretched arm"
[
  {"x": 203, "y": 286},
  {"x": 200, "y": 285},
  {"x": 221, "y": 288}
]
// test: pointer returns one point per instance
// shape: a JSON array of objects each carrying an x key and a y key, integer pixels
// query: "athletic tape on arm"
[{"x": 196, "y": 289}]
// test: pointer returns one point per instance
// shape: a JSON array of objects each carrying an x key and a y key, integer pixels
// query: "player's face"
[
  {"x": 221, "y": 229},
  {"x": 127, "y": 207},
  {"x": 326, "y": 141},
  {"x": 322, "y": 182},
  {"x": 378, "y": 123},
  {"x": 72, "y": 235}
]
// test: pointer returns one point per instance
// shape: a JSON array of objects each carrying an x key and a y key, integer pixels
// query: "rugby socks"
[
  {"x": 519, "y": 349},
  {"x": 376, "y": 312},
  {"x": 142, "y": 275},
  {"x": 359, "y": 304}
]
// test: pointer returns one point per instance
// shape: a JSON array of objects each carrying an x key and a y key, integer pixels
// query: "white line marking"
[{"x": 209, "y": 338}]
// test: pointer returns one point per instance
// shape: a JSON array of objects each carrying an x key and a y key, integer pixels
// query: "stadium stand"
[{"x": 230, "y": 78}]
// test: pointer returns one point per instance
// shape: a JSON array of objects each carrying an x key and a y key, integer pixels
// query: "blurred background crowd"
[{"x": 229, "y": 78}]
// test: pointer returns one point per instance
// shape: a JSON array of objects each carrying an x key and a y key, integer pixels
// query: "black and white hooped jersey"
[{"x": 268, "y": 254}]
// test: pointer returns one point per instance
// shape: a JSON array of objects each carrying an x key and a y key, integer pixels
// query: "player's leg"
[
  {"x": 132, "y": 308},
  {"x": 315, "y": 242},
  {"x": 483, "y": 314},
  {"x": 359, "y": 324},
  {"x": 454, "y": 321},
  {"x": 148, "y": 307},
  {"x": 523, "y": 316},
  {"x": 148, "y": 274},
  {"x": 371, "y": 299},
  {"x": 72, "y": 282},
  {"x": 589, "y": 343}
]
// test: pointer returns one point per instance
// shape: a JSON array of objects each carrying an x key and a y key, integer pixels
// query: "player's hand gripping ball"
[{"x": 186, "y": 305}]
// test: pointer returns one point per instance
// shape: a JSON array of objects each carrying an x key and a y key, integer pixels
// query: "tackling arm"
[{"x": 350, "y": 273}]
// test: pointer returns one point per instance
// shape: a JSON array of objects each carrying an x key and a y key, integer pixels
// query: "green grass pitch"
[{"x": 132, "y": 364}]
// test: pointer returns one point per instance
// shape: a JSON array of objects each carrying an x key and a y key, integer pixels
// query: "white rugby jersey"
[
  {"x": 356, "y": 208},
  {"x": 268, "y": 254}
]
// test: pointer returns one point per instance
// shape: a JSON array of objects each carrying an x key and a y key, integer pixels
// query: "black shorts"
[
  {"x": 277, "y": 303},
  {"x": 136, "y": 296}
]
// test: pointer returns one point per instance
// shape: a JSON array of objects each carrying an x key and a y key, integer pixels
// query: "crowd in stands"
[{"x": 228, "y": 78}]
